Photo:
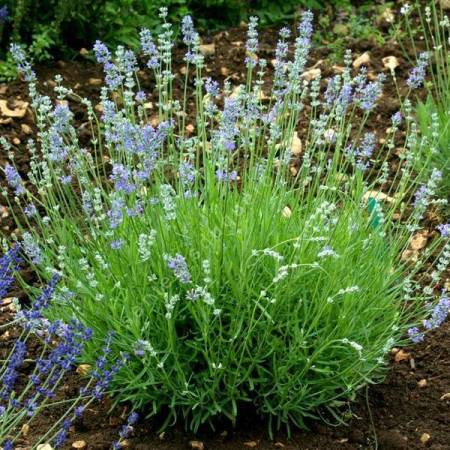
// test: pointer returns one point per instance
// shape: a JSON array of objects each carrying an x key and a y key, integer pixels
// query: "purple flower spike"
[
  {"x": 415, "y": 335},
  {"x": 444, "y": 229},
  {"x": 417, "y": 75}
]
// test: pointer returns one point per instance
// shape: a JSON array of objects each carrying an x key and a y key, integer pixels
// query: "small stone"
[
  {"x": 162, "y": 435},
  {"x": 279, "y": 445},
  {"x": 99, "y": 108},
  {"x": 16, "y": 141},
  {"x": 198, "y": 445},
  {"x": 224, "y": 71},
  {"x": 183, "y": 70},
  {"x": 251, "y": 444},
  {"x": 422, "y": 383},
  {"x": 446, "y": 396},
  {"x": 44, "y": 447},
  {"x": 26, "y": 129},
  {"x": 79, "y": 444},
  {"x": 4, "y": 213},
  {"x": 190, "y": 128},
  {"x": 95, "y": 81},
  {"x": 362, "y": 60},
  {"x": 207, "y": 49},
  {"x": 148, "y": 105},
  {"x": 425, "y": 438},
  {"x": 84, "y": 51},
  {"x": 390, "y": 62}
]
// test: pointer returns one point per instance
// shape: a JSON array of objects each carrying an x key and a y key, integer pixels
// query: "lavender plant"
[
  {"x": 431, "y": 24},
  {"x": 235, "y": 264},
  {"x": 26, "y": 393}
]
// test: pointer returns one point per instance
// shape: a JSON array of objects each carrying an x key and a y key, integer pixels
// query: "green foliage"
[
  {"x": 432, "y": 24},
  {"x": 56, "y": 25},
  {"x": 8, "y": 69}
]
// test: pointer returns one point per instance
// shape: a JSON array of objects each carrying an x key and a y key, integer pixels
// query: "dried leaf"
[
  {"x": 422, "y": 383},
  {"x": 6, "y": 301},
  {"x": 296, "y": 147},
  {"x": 95, "y": 81},
  {"x": 207, "y": 49},
  {"x": 19, "y": 111},
  {"x": 362, "y": 60},
  {"x": 338, "y": 70},
  {"x": 410, "y": 255},
  {"x": 83, "y": 369},
  {"x": 446, "y": 396},
  {"x": 402, "y": 356},
  {"x": 419, "y": 241},
  {"x": 377, "y": 195},
  {"x": 26, "y": 128},
  {"x": 311, "y": 74},
  {"x": 286, "y": 213},
  {"x": 390, "y": 62}
]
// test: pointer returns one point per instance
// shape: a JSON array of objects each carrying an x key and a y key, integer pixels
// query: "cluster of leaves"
[{"x": 55, "y": 25}]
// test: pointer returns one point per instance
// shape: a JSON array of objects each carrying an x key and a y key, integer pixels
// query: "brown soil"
[{"x": 403, "y": 412}]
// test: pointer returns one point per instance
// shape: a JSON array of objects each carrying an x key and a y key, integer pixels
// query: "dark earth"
[{"x": 410, "y": 409}]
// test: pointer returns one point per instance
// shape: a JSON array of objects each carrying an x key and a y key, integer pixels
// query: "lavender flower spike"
[
  {"x": 14, "y": 179},
  {"x": 444, "y": 229},
  {"x": 417, "y": 75},
  {"x": 179, "y": 266}
]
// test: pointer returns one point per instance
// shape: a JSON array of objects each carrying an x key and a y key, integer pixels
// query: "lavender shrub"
[{"x": 235, "y": 264}]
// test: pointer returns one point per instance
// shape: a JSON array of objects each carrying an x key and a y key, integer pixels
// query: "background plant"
[
  {"x": 59, "y": 346},
  {"x": 235, "y": 265},
  {"x": 431, "y": 23},
  {"x": 60, "y": 28}
]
